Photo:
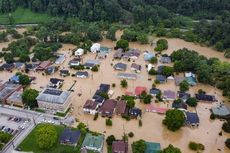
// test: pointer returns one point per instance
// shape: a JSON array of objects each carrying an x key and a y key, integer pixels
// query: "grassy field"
[
  {"x": 29, "y": 144},
  {"x": 25, "y": 16}
]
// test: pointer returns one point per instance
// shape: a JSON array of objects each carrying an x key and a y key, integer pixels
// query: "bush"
[
  {"x": 192, "y": 102},
  {"x": 212, "y": 116},
  {"x": 94, "y": 69},
  {"x": 127, "y": 117},
  {"x": 124, "y": 83},
  {"x": 131, "y": 134},
  {"x": 226, "y": 127},
  {"x": 196, "y": 146},
  {"x": 227, "y": 143},
  {"x": 95, "y": 117},
  {"x": 110, "y": 139},
  {"x": 152, "y": 71},
  {"x": 108, "y": 122},
  {"x": 162, "y": 44},
  {"x": 140, "y": 123},
  {"x": 124, "y": 44},
  {"x": 153, "y": 60},
  {"x": 113, "y": 85}
]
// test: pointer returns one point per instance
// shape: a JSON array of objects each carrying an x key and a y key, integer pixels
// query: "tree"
[
  {"x": 131, "y": 134},
  {"x": 143, "y": 38},
  {"x": 94, "y": 68},
  {"x": 94, "y": 33},
  {"x": 124, "y": 84},
  {"x": 46, "y": 136},
  {"x": 184, "y": 86},
  {"x": 195, "y": 146},
  {"x": 139, "y": 146},
  {"x": 226, "y": 127},
  {"x": 174, "y": 119},
  {"x": 29, "y": 98},
  {"x": 8, "y": 57},
  {"x": 192, "y": 102},
  {"x": 108, "y": 122},
  {"x": 110, "y": 139},
  {"x": 152, "y": 71},
  {"x": 23, "y": 79},
  {"x": 167, "y": 71},
  {"x": 171, "y": 149},
  {"x": 104, "y": 95},
  {"x": 153, "y": 60},
  {"x": 129, "y": 100},
  {"x": 227, "y": 143},
  {"x": 111, "y": 33},
  {"x": 5, "y": 137},
  {"x": 162, "y": 44},
  {"x": 24, "y": 58},
  {"x": 124, "y": 44}
]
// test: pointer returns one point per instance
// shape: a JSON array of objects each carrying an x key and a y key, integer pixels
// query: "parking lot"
[{"x": 12, "y": 124}]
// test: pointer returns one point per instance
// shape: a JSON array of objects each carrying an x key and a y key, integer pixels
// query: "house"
[
  {"x": 148, "y": 56},
  {"x": 90, "y": 107},
  {"x": 51, "y": 70},
  {"x": 64, "y": 73},
  {"x": 102, "y": 55},
  {"x": 105, "y": 50},
  {"x": 132, "y": 54},
  {"x": 139, "y": 90},
  {"x": 154, "y": 91},
  {"x": 192, "y": 119},
  {"x": 104, "y": 88},
  {"x": 31, "y": 66},
  {"x": 169, "y": 95},
  {"x": 93, "y": 142},
  {"x": 55, "y": 83},
  {"x": 205, "y": 98},
  {"x": 8, "y": 66},
  {"x": 70, "y": 137},
  {"x": 79, "y": 52},
  {"x": 82, "y": 74},
  {"x": 221, "y": 111},
  {"x": 8, "y": 89},
  {"x": 127, "y": 76},
  {"x": 60, "y": 59},
  {"x": 152, "y": 147},
  {"x": 190, "y": 78},
  {"x": 181, "y": 105},
  {"x": 183, "y": 96},
  {"x": 75, "y": 62},
  {"x": 136, "y": 67},
  {"x": 15, "y": 79},
  {"x": 121, "y": 108},
  {"x": 15, "y": 99},
  {"x": 178, "y": 80},
  {"x": 160, "y": 69},
  {"x": 120, "y": 66},
  {"x": 153, "y": 109},
  {"x": 54, "y": 99},
  {"x": 161, "y": 78},
  {"x": 119, "y": 146},
  {"x": 118, "y": 54},
  {"x": 95, "y": 48},
  {"x": 91, "y": 63},
  {"x": 108, "y": 108},
  {"x": 135, "y": 112},
  {"x": 165, "y": 59},
  {"x": 43, "y": 65},
  {"x": 19, "y": 65}
]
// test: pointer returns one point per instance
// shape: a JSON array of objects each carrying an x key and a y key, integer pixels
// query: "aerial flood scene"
[{"x": 115, "y": 76}]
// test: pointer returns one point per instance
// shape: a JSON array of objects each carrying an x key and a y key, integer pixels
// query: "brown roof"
[
  {"x": 121, "y": 107},
  {"x": 120, "y": 146},
  {"x": 89, "y": 104},
  {"x": 108, "y": 107},
  {"x": 136, "y": 66},
  {"x": 43, "y": 65}
]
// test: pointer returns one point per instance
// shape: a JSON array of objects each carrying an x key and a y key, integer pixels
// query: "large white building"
[{"x": 54, "y": 100}]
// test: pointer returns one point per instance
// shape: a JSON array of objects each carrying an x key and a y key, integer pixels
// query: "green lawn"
[
  {"x": 21, "y": 15},
  {"x": 29, "y": 144}
]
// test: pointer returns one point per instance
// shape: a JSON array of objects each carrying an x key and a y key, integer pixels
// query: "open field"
[
  {"x": 21, "y": 15},
  {"x": 152, "y": 129}
]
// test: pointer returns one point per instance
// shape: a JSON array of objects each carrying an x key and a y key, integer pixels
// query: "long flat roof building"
[{"x": 54, "y": 99}]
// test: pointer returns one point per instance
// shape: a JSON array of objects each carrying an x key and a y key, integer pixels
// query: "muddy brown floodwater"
[{"x": 152, "y": 129}]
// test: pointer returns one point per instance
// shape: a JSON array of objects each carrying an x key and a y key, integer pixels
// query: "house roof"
[
  {"x": 191, "y": 80},
  {"x": 16, "y": 96},
  {"x": 136, "y": 66},
  {"x": 132, "y": 53},
  {"x": 14, "y": 79},
  {"x": 161, "y": 78},
  {"x": 135, "y": 112},
  {"x": 108, "y": 107},
  {"x": 169, "y": 94},
  {"x": 18, "y": 64},
  {"x": 64, "y": 71},
  {"x": 127, "y": 76},
  {"x": 8, "y": 66},
  {"x": 44, "y": 65},
  {"x": 93, "y": 141},
  {"x": 95, "y": 62},
  {"x": 148, "y": 56},
  {"x": 97, "y": 98},
  {"x": 152, "y": 147},
  {"x": 7, "y": 89},
  {"x": 152, "y": 108},
  {"x": 139, "y": 90},
  {"x": 178, "y": 80},
  {"x": 51, "y": 95},
  {"x": 160, "y": 69},
  {"x": 118, "y": 54},
  {"x": 121, "y": 107},
  {"x": 221, "y": 110},
  {"x": 204, "y": 97},
  {"x": 154, "y": 91},
  {"x": 165, "y": 59},
  {"x": 89, "y": 104},
  {"x": 184, "y": 96},
  {"x": 60, "y": 59},
  {"x": 70, "y": 136},
  {"x": 179, "y": 105},
  {"x": 120, "y": 146},
  {"x": 55, "y": 80},
  {"x": 82, "y": 73},
  {"x": 120, "y": 66},
  {"x": 104, "y": 87},
  {"x": 191, "y": 118}
]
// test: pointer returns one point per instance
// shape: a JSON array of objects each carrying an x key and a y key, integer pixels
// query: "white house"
[
  {"x": 90, "y": 107},
  {"x": 95, "y": 48},
  {"x": 79, "y": 52}
]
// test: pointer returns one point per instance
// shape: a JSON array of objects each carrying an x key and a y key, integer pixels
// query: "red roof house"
[{"x": 139, "y": 90}]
